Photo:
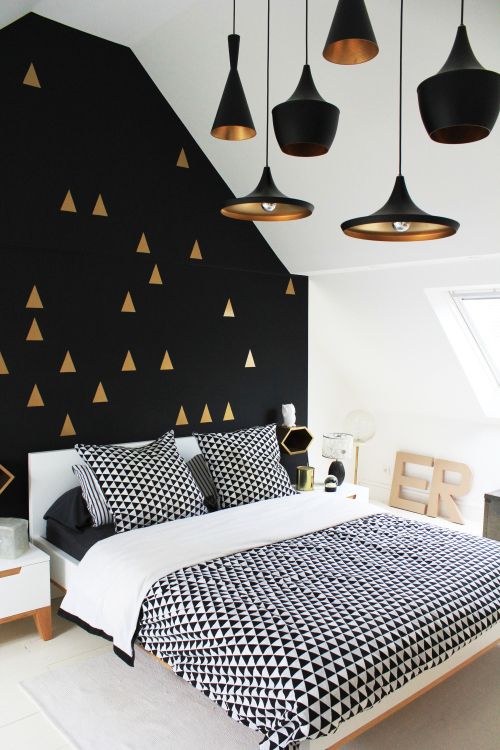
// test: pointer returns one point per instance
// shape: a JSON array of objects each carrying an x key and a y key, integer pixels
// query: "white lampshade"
[
  {"x": 361, "y": 425},
  {"x": 337, "y": 445}
]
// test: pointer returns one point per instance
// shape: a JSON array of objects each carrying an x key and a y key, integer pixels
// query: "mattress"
[{"x": 76, "y": 543}]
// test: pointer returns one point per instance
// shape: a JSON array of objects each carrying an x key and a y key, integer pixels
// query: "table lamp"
[
  {"x": 338, "y": 446},
  {"x": 361, "y": 425}
]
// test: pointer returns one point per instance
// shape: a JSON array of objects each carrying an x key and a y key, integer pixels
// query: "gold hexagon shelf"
[{"x": 294, "y": 440}]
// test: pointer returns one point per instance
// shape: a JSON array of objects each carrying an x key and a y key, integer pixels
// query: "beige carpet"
[{"x": 101, "y": 704}]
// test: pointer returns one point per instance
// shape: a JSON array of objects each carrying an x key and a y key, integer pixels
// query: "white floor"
[{"x": 23, "y": 654}]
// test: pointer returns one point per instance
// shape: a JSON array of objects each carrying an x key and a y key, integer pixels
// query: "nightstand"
[
  {"x": 346, "y": 491},
  {"x": 25, "y": 590}
]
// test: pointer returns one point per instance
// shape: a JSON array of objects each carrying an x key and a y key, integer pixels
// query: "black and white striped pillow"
[
  {"x": 93, "y": 496},
  {"x": 205, "y": 481}
]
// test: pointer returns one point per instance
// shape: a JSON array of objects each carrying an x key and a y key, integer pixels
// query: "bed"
[{"x": 255, "y": 564}]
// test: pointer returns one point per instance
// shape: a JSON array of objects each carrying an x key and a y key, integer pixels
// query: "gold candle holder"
[{"x": 305, "y": 478}]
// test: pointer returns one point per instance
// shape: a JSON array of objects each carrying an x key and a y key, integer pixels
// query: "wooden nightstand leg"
[{"x": 43, "y": 622}]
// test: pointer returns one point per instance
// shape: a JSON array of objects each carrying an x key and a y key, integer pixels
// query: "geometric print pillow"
[
  {"x": 92, "y": 494},
  {"x": 245, "y": 465},
  {"x": 144, "y": 486}
]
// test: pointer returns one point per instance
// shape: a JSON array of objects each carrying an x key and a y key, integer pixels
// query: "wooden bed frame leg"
[{"x": 43, "y": 622}]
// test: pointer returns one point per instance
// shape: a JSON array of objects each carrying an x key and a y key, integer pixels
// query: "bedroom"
[{"x": 131, "y": 307}]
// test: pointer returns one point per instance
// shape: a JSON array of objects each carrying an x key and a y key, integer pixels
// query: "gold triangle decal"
[
  {"x": 34, "y": 302},
  {"x": 68, "y": 364},
  {"x": 290, "y": 288},
  {"x": 206, "y": 416},
  {"x": 143, "y": 246},
  {"x": 181, "y": 417},
  {"x": 128, "y": 363},
  {"x": 229, "y": 312},
  {"x": 34, "y": 333},
  {"x": 250, "y": 360},
  {"x": 67, "y": 428},
  {"x": 68, "y": 203},
  {"x": 100, "y": 395},
  {"x": 228, "y": 414},
  {"x": 3, "y": 367},
  {"x": 6, "y": 477},
  {"x": 99, "y": 208},
  {"x": 155, "y": 276},
  {"x": 31, "y": 78},
  {"x": 182, "y": 160},
  {"x": 128, "y": 305},
  {"x": 36, "y": 398},
  {"x": 167, "y": 363},
  {"x": 196, "y": 252}
]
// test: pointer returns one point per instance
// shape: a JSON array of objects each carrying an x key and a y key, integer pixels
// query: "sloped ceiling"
[{"x": 182, "y": 44}]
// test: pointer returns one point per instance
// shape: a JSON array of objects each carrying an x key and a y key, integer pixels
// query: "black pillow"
[{"x": 70, "y": 510}]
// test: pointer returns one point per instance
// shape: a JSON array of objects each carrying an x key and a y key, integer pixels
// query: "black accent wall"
[{"x": 80, "y": 114}]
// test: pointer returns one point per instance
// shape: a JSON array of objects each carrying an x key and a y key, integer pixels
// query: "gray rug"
[{"x": 101, "y": 704}]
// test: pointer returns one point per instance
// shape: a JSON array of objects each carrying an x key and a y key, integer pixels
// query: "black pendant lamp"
[
  {"x": 351, "y": 39},
  {"x": 305, "y": 125},
  {"x": 266, "y": 202},
  {"x": 460, "y": 103},
  {"x": 233, "y": 121},
  {"x": 400, "y": 220}
]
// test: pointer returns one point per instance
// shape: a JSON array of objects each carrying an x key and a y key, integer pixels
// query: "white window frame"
[{"x": 466, "y": 341}]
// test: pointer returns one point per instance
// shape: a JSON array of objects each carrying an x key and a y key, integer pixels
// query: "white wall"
[{"x": 376, "y": 344}]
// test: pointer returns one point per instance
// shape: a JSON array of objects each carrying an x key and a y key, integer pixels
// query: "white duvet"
[{"x": 115, "y": 575}]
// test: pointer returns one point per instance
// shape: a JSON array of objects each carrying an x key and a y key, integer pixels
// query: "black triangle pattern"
[
  {"x": 294, "y": 638},
  {"x": 144, "y": 486},
  {"x": 245, "y": 465}
]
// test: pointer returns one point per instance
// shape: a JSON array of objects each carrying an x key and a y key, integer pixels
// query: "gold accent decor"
[
  {"x": 67, "y": 429},
  {"x": 68, "y": 364},
  {"x": 155, "y": 276},
  {"x": 128, "y": 363},
  {"x": 294, "y": 440},
  {"x": 181, "y": 417},
  {"x": 290, "y": 288},
  {"x": 6, "y": 477},
  {"x": 206, "y": 416},
  {"x": 3, "y": 367},
  {"x": 100, "y": 395},
  {"x": 305, "y": 478},
  {"x": 233, "y": 132},
  {"x": 34, "y": 302},
  {"x": 128, "y": 305},
  {"x": 31, "y": 78},
  {"x": 196, "y": 252},
  {"x": 36, "y": 398},
  {"x": 350, "y": 51},
  {"x": 167, "y": 363},
  {"x": 34, "y": 333},
  {"x": 99, "y": 208},
  {"x": 10, "y": 572},
  {"x": 229, "y": 312},
  {"x": 143, "y": 246},
  {"x": 250, "y": 360},
  {"x": 228, "y": 414},
  {"x": 182, "y": 160},
  {"x": 68, "y": 203}
]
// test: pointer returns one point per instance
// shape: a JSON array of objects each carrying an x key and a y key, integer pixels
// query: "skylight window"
[{"x": 481, "y": 313}]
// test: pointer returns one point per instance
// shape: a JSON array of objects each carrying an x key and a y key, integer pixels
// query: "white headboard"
[{"x": 50, "y": 475}]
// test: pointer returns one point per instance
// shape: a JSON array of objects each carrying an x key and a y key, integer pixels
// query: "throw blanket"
[{"x": 294, "y": 638}]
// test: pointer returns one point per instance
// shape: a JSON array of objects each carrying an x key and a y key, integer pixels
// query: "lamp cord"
[
  {"x": 307, "y": 32},
  {"x": 462, "y": 14},
  {"x": 234, "y": 16},
  {"x": 400, "y": 83},
  {"x": 267, "y": 84}
]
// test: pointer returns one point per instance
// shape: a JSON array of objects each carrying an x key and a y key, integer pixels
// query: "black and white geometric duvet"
[{"x": 296, "y": 637}]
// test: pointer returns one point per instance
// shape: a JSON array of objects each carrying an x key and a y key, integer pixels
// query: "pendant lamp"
[
  {"x": 233, "y": 121},
  {"x": 351, "y": 39},
  {"x": 400, "y": 220},
  {"x": 266, "y": 202},
  {"x": 305, "y": 125},
  {"x": 460, "y": 103}
]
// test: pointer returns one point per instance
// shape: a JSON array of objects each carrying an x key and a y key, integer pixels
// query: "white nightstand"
[
  {"x": 25, "y": 590},
  {"x": 346, "y": 490}
]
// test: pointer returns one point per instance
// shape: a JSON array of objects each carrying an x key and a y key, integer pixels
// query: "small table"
[
  {"x": 25, "y": 590},
  {"x": 346, "y": 490}
]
